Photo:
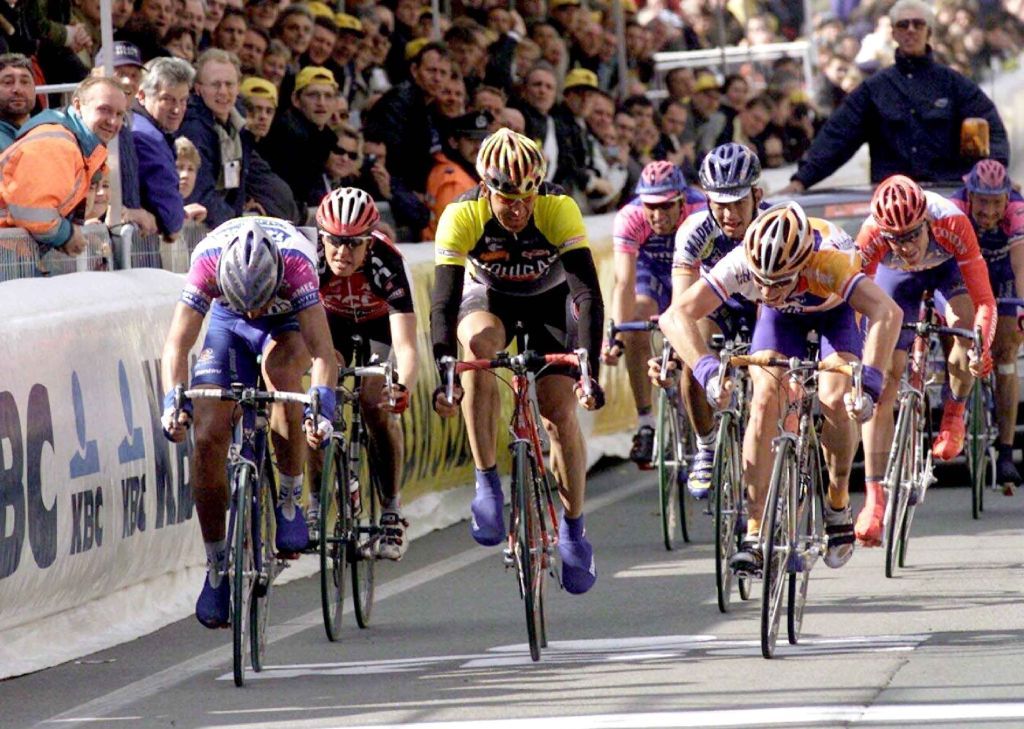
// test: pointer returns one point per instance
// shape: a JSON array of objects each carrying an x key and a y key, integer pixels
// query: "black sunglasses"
[
  {"x": 353, "y": 155},
  {"x": 908, "y": 23},
  {"x": 351, "y": 241}
]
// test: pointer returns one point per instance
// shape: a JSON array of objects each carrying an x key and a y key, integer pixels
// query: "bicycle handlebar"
[
  {"x": 527, "y": 361},
  {"x": 794, "y": 364},
  {"x": 245, "y": 394},
  {"x": 632, "y": 326}
]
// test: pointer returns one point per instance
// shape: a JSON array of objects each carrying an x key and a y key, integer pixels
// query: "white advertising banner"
[{"x": 93, "y": 499}]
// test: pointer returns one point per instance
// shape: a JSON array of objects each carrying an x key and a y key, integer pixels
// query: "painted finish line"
[{"x": 653, "y": 649}]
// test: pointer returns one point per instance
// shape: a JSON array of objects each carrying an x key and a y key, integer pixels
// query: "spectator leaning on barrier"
[
  {"x": 455, "y": 165},
  {"x": 159, "y": 111},
  {"x": 300, "y": 140},
  {"x": 17, "y": 95},
  {"x": 46, "y": 174},
  {"x": 909, "y": 114}
]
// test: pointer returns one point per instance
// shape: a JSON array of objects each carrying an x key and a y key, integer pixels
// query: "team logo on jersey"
[
  {"x": 494, "y": 255},
  {"x": 206, "y": 356},
  {"x": 535, "y": 253}
]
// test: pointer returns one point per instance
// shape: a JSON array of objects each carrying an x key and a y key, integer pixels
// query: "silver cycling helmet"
[{"x": 250, "y": 268}]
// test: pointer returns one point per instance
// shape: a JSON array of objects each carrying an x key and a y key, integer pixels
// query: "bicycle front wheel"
[
  {"x": 528, "y": 549},
  {"x": 727, "y": 488},
  {"x": 922, "y": 470},
  {"x": 777, "y": 543},
  {"x": 264, "y": 525},
  {"x": 668, "y": 450},
  {"x": 899, "y": 479},
  {"x": 243, "y": 568},
  {"x": 335, "y": 531},
  {"x": 366, "y": 529},
  {"x": 979, "y": 451},
  {"x": 810, "y": 539}
]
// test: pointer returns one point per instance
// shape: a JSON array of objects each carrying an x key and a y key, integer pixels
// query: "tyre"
[
  {"x": 242, "y": 568},
  {"x": 335, "y": 530},
  {"x": 899, "y": 478},
  {"x": 365, "y": 526},
  {"x": 527, "y": 550},
  {"x": 922, "y": 437},
  {"x": 264, "y": 524},
  {"x": 726, "y": 485},
  {"x": 668, "y": 452},
  {"x": 979, "y": 453},
  {"x": 810, "y": 538},
  {"x": 777, "y": 543}
]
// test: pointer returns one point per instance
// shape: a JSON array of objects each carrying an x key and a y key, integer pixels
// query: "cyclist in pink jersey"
[{"x": 644, "y": 237}]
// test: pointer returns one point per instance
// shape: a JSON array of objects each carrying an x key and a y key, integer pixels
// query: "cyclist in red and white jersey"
[{"x": 913, "y": 242}]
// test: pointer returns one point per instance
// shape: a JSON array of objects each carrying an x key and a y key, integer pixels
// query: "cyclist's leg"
[
  {"x": 702, "y": 418},
  {"x": 386, "y": 457},
  {"x": 906, "y": 289},
  {"x": 482, "y": 333},
  {"x": 959, "y": 312},
  {"x": 285, "y": 361}
]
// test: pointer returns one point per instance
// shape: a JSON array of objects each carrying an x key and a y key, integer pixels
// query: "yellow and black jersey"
[{"x": 521, "y": 263}]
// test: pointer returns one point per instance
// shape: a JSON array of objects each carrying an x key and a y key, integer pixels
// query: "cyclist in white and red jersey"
[
  {"x": 730, "y": 176},
  {"x": 996, "y": 211},
  {"x": 913, "y": 242},
  {"x": 259, "y": 275},
  {"x": 366, "y": 290},
  {"x": 806, "y": 275},
  {"x": 644, "y": 235}
]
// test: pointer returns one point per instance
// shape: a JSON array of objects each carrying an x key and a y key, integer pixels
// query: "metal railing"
[{"x": 22, "y": 257}]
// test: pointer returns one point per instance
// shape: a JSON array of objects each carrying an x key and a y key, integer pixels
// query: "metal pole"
[
  {"x": 720, "y": 15},
  {"x": 620, "y": 38},
  {"x": 113, "y": 156},
  {"x": 435, "y": 8}
]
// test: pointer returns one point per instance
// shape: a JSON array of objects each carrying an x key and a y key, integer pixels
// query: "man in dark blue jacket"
[{"x": 909, "y": 114}]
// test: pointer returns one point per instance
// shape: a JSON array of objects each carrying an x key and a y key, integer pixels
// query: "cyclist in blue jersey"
[
  {"x": 730, "y": 176},
  {"x": 996, "y": 212},
  {"x": 259, "y": 275}
]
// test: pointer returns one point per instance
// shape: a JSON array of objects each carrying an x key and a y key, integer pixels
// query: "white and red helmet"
[{"x": 347, "y": 211}]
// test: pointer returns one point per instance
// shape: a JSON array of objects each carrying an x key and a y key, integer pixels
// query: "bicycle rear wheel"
[
  {"x": 366, "y": 530},
  {"x": 335, "y": 531},
  {"x": 668, "y": 449},
  {"x": 899, "y": 479},
  {"x": 526, "y": 549},
  {"x": 810, "y": 539},
  {"x": 726, "y": 486},
  {"x": 265, "y": 525},
  {"x": 242, "y": 568},
  {"x": 777, "y": 543}
]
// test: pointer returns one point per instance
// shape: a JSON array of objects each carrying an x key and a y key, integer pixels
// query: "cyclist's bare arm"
[
  {"x": 184, "y": 332},
  {"x": 624, "y": 290},
  {"x": 884, "y": 318},
  {"x": 403, "y": 340},
  {"x": 679, "y": 322},
  {"x": 682, "y": 280},
  {"x": 317, "y": 336}
]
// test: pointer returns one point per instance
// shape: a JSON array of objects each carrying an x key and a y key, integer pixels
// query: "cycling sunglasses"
[
  {"x": 776, "y": 283},
  {"x": 667, "y": 205},
  {"x": 352, "y": 241},
  {"x": 902, "y": 239}
]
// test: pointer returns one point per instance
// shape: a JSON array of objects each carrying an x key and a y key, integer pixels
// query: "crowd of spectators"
[{"x": 260, "y": 105}]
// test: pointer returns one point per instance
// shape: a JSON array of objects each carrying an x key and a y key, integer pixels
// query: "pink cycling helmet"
[
  {"x": 347, "y": 211},
  {"x": 988, "y": 177},
  {"x": 660, "y": 182}
]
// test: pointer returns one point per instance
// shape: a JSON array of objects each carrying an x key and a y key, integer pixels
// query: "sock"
[
  {"x": 646, "y": 419},
  {"x": 875, "y": 493},
  {"x": 753, "y": 530},
  {"x": 574, "y": 528},
  {"x": 706, "y": 442},
  {"x": 487, "y": 479},
  {"x": 392, "y": 503},
  {"x": 216, "y": 556},
  {"x": 1005, "y": 451}
]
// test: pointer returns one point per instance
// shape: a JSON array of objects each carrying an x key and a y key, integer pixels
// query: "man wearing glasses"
[
  {"x": 529, "y": 263},
  {"x": 909, "y": 114},
  {"x": 806, "y": 275},
  {"x": 913, "y": 242}
]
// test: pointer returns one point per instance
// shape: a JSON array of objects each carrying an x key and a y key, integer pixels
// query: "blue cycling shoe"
[
  {"x": 292, "y": 534},
  {"x": 579, "y": 572},
  {"x": 214, "y": 604},
  {"x": 488, "y": 509}
]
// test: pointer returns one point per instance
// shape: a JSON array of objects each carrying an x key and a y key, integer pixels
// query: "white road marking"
[{"x": 186, "y": 670}]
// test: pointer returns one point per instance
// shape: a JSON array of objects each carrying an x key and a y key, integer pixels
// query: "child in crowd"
[{"x": 188, "y": 166}]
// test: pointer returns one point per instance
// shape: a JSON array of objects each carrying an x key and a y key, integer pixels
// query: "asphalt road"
[{"x": 940, "y": 645}]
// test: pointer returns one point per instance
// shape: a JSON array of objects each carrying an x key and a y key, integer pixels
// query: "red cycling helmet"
[
  {"x": 898, "y": 205},
  {"x": 988, "y": 177},
  {"x": 347, "y": 211}
]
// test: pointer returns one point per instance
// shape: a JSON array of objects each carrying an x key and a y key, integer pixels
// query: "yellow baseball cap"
[
  {"x": 705, "y": 82},
  {"x": 344, "y": 21},
  {"x": 314, "y": 75},
  {"x": 555, "y": 4},
  {"x": 319, "y": 9},
  {"x": 580, "y": 77},
  {"x": 258, "y": 87},
  {"x": 413, "y": 47}
]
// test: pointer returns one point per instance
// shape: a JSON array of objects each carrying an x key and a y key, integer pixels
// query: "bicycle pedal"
[{"x": 506, "y": 556}]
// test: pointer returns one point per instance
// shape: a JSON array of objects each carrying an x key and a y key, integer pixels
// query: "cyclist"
[
  {"x": 365, "y": 288},
  {"x": 805, "y": 274},
  {"x": 730, "y": 176},
  {"x": 916, "y": 241},
  {"x": 644, "y": 237},
  {"x": 530, "y": 264},
  {"x": 260, "y": 275},
  {"x": 996, "y": 211}
]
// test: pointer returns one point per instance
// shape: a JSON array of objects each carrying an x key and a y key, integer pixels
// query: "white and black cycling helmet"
[
  {"x": 728, "y": 172},
  {"x": 250, "y": 268}
]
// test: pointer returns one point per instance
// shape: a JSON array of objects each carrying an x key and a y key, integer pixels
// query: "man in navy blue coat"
[{"x": 909, "y": 114}]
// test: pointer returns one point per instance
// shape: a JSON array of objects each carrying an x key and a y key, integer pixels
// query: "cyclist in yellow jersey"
[
  {"x": 805, "y": 273},
  {"x": 529, "y": 264}
]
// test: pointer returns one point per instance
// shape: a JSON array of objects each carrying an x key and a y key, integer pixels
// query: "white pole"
[
  {"x": 113, "y": 157},
  {"x": 620, "y": 39},
  {"x": 435, "y": 8}
]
